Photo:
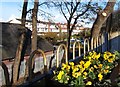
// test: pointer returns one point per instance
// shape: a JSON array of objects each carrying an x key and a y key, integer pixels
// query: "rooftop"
[{"x": 10, "y": 39}]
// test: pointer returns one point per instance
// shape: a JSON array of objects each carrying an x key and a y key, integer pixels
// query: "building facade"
[{"x": 43, "y": 27}]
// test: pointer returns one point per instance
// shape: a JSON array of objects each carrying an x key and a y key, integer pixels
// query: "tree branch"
[
  {"x": 101, "y": 18},
  {"x": 43, "y": 3},
  {"x": 38, "y": 5},
  {"x": 29, "y": 10},
  {"x": 67, "y": 7},
  {"x": 79, "y": 16},
  {"x": 63, "y": 12},
  {"x": 71, "y": 5},
  {"x": 72, "y": 13}
]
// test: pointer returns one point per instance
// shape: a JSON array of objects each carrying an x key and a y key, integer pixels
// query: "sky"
[
  {"x": 10, "y": 9},
  {"x": 13, "y": 9}
]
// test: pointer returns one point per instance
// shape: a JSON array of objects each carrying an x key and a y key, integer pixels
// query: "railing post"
[
  {"x": 102, "y": 43},
  {"x": 57, "y": 55},
  {"x": 31, "y": 60},
  {"x": 88, "y": 44},
  {"x": 92, "y": 43},
  {"x": 74, "y": 44},
  {"x": 97, "y": 45},
  {"x": 86, "y": 40},
  {"x": 84, "y": 47}
]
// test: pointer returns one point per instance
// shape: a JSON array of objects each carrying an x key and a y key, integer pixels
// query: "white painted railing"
[
  {"x": 32, "y": 59},
  {"x": 86, "y": 42},
  {"x": 57, "y": 55},
  {"x": 74, "y": 44}
]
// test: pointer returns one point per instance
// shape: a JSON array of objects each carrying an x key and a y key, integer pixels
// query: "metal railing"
[
  {"x": 74, "y": 44},
  {"x": 31, "y": 62},
  {"x": 57, "y": 55},
  {"x": 96, "y": 42},
  {"x": 88, "y": 46}
]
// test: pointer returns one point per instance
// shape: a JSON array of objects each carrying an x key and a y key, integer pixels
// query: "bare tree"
[
  {"x": 101, "y": 18},
  {"x": 34, "y": 25},
  {"x": 73, "y": 11},
  {"x": 18, "y": 57}
]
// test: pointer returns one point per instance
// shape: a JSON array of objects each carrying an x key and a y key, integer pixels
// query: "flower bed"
[{"x": 94, "y": 69}]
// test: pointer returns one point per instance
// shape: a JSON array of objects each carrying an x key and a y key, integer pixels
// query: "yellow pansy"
[
  {"x": 90, "y": 53},
  {"x": 108, "y": 53},
  {"x": 79, "y": 66},
  {"x": 106, "y": 71},
  {"x": 89, "y": 83},
  {"x": 82, "y": 69},
  {"x": 72, "y": 67},
  {"x": 100, "y": 76},
  {"x": 105, "y": 56},
  {"x": 85, "y": 73},
  {"x": 59, "y": 76},
  {"x": 89, "y": 57},
  {"x": 110, "y": 60},
  {"x": 100, "y": 65},
  {"x": 87, "y": 64},
  {"x": 97, "y": 56},
  {"x": 75, "y": 75},
  {"x": 71, "y": 63},
  {"x": 78, "y": 74},
  {"x": 93, "y": 55},
  {"x": 75, "y": 69},
  {"x": 82, "y": 62},
  {"x": 63, "y": 66},
  {"x": 67, "y": 67},
  {"x": 91, "y": 69}
]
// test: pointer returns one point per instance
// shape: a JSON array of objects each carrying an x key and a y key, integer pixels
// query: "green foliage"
[
  {"x": 54, "y": 38},
  {"x": 82, "y": 34}
]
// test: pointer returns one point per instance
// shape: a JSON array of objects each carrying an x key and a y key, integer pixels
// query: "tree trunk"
[
  {"x": 34, "y": 25},
  {"x": 68, "y": 39},
  {"x": 68, "y": 45},
  {"x": 17, "y": 61},
  {"x": 101, "y": 18}
]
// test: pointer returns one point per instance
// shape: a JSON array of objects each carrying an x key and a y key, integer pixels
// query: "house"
[{"x": 45, "y": 26}]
